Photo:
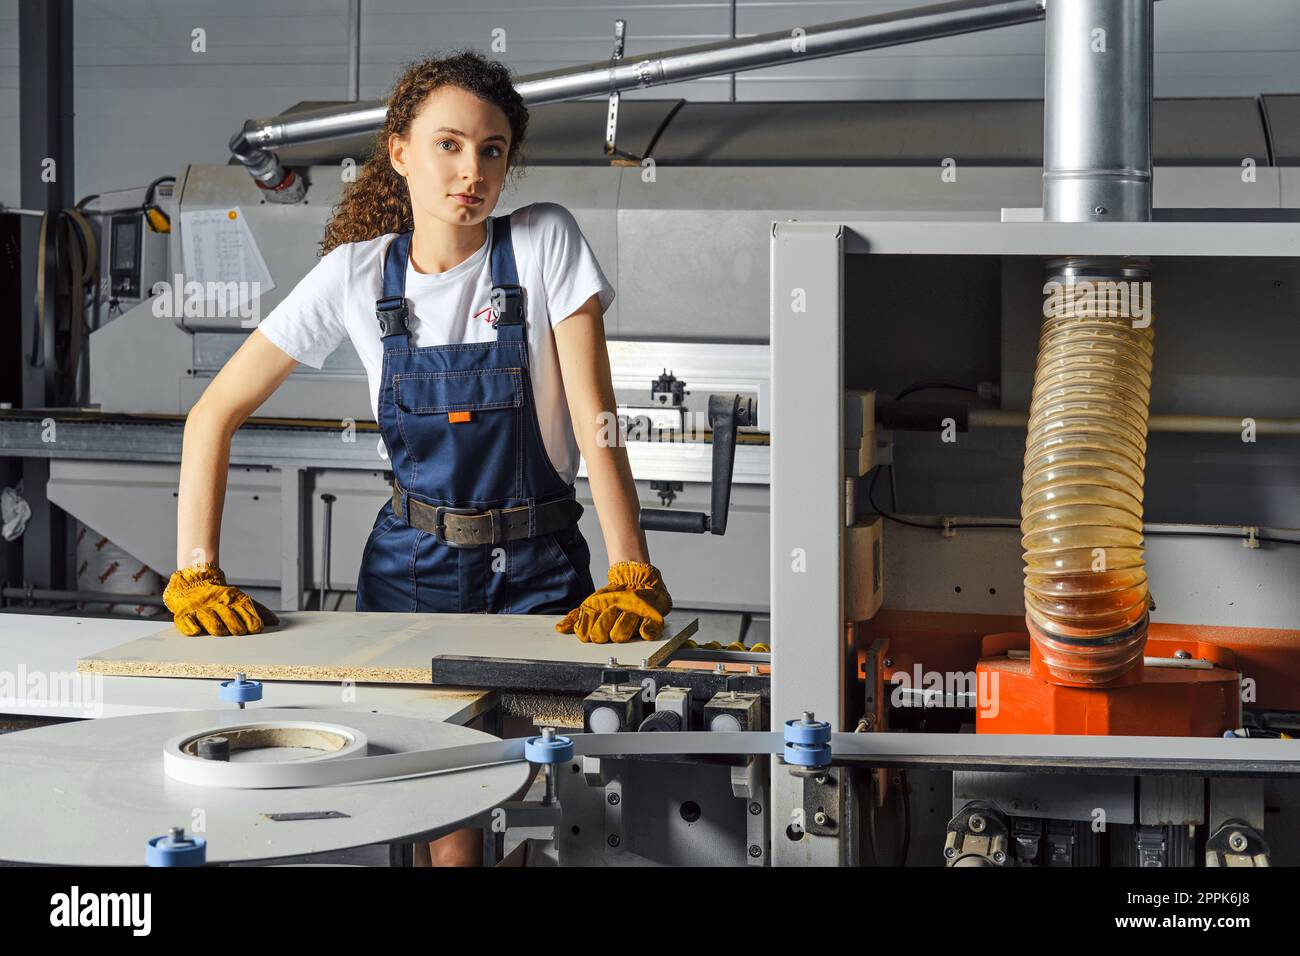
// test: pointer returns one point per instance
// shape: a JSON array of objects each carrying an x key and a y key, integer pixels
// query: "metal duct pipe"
[
  {"x": 354, "y": 50},
  {"x": 252, "y": 145},
  {"x": 781, "y": 46},
  {"x": 1097, "y": 111}
]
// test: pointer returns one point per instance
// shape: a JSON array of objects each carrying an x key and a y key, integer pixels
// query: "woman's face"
[{"x": 454, "y": 157}]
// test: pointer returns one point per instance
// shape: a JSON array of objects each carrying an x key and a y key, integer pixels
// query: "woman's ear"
[{"x": 397, "y": 153}]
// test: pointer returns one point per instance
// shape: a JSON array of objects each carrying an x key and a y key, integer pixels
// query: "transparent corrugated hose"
[{"x": 1081, "y": 503}]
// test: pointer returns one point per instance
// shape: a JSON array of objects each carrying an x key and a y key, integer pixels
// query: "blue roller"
[
  {"x": 807, "y": 743},
  {"x": 170, "y": 851},
  {"x": 241, "y": 690},
  {"x": 541, "y": 750},
  {"x": 805, "y": 755},
  {"x": 812, "y": 733}
]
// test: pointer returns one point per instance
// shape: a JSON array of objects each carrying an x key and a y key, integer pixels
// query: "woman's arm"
[
  {"x": 247, "y": 380},
  {"x": 584, "y": 363}
]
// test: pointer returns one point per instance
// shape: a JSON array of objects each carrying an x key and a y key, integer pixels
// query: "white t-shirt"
[{"x": 336, "y": 300}]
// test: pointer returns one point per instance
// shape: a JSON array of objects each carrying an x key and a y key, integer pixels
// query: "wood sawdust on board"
[{"x": 544, "y": 710}]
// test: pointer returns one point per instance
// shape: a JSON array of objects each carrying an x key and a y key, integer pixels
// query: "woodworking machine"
[{"x": 971, "y": 454}]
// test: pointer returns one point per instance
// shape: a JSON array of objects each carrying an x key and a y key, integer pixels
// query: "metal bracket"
[
  {"x": 611, "y": 118},
  {"x": 614, "y": 835},
  {"x": 873, "y": 709},
  {"x": 750, "y": 784},
  {"x": 746, "y": 781},
  {"x": 307, "y": 815},
  {"x": 593, "y": 774},
  {"x": 822, "y": 802}
]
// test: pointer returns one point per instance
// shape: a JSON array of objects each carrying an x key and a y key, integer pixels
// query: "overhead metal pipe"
[
  {"x": 1097, "y": 111},
  {"x": 796, "y": 44},
  {"x": 253, "y": 144}
]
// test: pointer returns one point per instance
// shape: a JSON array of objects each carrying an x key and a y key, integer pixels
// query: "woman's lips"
[{"x": 465, "y": 199}]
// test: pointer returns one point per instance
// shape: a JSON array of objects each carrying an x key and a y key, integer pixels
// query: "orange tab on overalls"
[{"x": 458, "y": 416}]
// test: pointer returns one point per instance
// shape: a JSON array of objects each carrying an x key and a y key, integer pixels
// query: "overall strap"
[
  {"x": 390, "y": 308},
  {"x": 509, "y": 307}
]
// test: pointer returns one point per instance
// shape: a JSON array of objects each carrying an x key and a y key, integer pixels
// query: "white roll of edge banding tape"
[{"x": 187, "y": 767}]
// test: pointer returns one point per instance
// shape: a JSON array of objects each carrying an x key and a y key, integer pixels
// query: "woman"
[
  {"x": 470, "y": 396},
  {"x": 484, "y": 347}
]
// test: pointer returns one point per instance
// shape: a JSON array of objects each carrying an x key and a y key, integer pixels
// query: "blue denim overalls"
[{"x": 462, "y": 435}]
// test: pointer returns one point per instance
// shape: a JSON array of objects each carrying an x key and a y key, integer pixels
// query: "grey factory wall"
[{"x": 145, "y": 105}]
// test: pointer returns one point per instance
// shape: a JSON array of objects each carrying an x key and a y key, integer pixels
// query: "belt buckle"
[{"x": 440, "y": 526}]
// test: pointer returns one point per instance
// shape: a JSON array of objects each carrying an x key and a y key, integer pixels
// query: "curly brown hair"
[{"x": 378, "y": 202}]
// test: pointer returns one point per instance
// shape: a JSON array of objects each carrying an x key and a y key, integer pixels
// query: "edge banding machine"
[{"x": 1100, "y": 736}]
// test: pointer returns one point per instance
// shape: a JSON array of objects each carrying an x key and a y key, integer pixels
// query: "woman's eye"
[
  {"x": 494, "y": 151},
  {"x": 446, "y": 142}
]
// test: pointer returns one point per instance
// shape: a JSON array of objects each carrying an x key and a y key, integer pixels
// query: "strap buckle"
[
  {"x": 440, "y": 526},
  {"x": 508, "y": 305},
  {"x": 392, "y": 313}
]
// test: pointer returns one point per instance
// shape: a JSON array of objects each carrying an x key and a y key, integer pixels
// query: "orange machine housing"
[
  {"x": 1149, "y": 701},
  {"x": 1014, "y": 697}
]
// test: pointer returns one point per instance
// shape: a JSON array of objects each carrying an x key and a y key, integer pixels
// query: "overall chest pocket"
[
  {"x": 463, "y": 432},
  {"x": 469, "y": 390}
]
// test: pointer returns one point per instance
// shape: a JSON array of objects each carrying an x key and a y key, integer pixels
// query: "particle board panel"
[{"x": 368, "y": 647}]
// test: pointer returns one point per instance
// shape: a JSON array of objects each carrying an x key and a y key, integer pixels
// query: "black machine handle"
[{"x": 726, "y": 413}]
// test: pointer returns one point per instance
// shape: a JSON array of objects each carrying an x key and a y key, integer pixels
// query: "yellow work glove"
[
  {"x": 203, "y": 602},
  {"x": 632, "y": 604}
]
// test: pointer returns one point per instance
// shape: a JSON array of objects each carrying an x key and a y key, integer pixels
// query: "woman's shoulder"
[
  {"x": 350, "y": 252},
  {"x": 356, "y": 260},
  {"x": 544, "y": 216}
]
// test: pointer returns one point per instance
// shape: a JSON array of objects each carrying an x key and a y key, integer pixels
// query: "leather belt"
[{"x": 471, "y": 528}]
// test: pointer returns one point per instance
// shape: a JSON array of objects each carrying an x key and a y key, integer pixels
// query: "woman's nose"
[{"x": 472, "y": 171}]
